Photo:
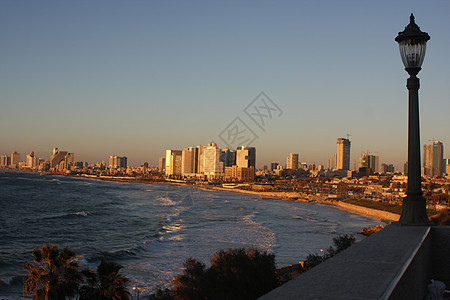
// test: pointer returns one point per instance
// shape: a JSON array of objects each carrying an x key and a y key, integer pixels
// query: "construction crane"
[{"x": 348, "y": 136}]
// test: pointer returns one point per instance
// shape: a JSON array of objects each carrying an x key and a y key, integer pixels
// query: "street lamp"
[
  {"x": 138, "y": 290},
  {"x": 412, "y": 43}
]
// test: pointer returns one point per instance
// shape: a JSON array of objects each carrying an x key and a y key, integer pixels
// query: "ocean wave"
[
  {"x": 116, "y": 256},
  {"x": 56, "y": 180},
  {"x": 82, "y": 213},
  {"x": 308, "y": 219},
  {"x": 69, "y": 215},
  {"x": 267, "y": 237},
  {"x": 172, "y": 217},
  {"x": 165, "y": 201},
  {"x": 14, "y": 280}
]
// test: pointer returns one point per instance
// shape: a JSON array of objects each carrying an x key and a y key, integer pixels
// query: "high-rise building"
[
  {"x": 292, "y": 161},
  {"x": 5, "y": 161},
  {"x": 162, "y": 164},
  {"x": 209, "y": 158},
  {"x": 189, "y": 161},
  {"x": 123, "y": 161},
  {"x": 118, "y": 161},
  {"x": 112, "y": 161},
  {"x": 57, "y": 157},
  {"x": 447, "y": 166},
  {"x": 370, "y": 163},
  {"x": 273, "y": 166},
  {"x": 15, "y": 159},
  {"x": 246, "y": 157},
  {"x": 385, "y": 168},
  {"x": 228, "y": 157},
  {"x": 173, "y": 162},
  {"x": 374, "y": 163},
  {"x": 31, "y": 160},
  {"x": 334, "y": 161},
  {"x": 343, "y": 154},
  {"x": 433, "y": 159}
]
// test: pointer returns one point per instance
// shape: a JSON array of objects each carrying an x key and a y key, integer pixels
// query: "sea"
[{"x": 151, "y": 229}]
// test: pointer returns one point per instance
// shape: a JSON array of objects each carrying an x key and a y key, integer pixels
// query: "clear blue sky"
[{"x": 134, "y": 78}]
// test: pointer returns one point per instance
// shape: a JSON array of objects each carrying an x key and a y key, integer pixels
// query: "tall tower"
[
  {"x": 343, "y": 154},
  {"x": 292, "y": 161},
  {"x": 162, "y": 164},
  {"x": 15, "y": 159},
  {"x": 210, "y": 163},
  {"x": 189, "y": 161},
  {"x": 173, "y": 162},
  {"x": 433, "y": 159}
]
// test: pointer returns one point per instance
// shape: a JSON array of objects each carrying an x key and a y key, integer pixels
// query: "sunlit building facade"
[
  {"x": 173, "y": 162},
  {"x": 246, "y": 157},
  {"x": 118, "y": 161},
  {"x": 433, "y": 159},
  {"x": 210, "y": 164},
  {"x": 370, "y": 163},
  {"x": 15, "y": 159},
  {"x": 162, "y": 164},
  {"x": 239, "y": 174},
  {"x": 343, "y": 154},
  {"x": 189, "y": 161},
  {"x": 32, "y": 160},
  {"x": 5, "y": 161},
  {"x": 292, "y": 161}
]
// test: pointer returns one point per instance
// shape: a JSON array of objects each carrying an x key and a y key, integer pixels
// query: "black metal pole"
[{"x": 414, "y": 209}]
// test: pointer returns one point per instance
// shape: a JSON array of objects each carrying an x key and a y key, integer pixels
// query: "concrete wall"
[
  {"x": 416, "y": 275},
  {"x": 440, "y": 254},
  {"x": 391, "y": 264}
]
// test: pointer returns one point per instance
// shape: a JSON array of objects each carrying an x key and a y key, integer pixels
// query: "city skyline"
[{"x": 108, "y": 78}]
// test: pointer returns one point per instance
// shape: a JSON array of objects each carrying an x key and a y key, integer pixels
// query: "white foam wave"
[
  {"x": 165, "y": 201},
  {"x": 6, "y": 281},
  {"x": 82, "y": 213},
  {"x": 308, "y": 219},
  {"x": 265, "y": 237}
]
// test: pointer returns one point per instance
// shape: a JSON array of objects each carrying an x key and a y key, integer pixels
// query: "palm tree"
[
  {"x": 91, "y": 289},
  {"x": 54, "y": 275},
  {"x": 112, "y": 284}
]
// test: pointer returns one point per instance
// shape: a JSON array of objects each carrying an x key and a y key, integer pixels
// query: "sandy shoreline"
[{"x": 383, "y": 216}]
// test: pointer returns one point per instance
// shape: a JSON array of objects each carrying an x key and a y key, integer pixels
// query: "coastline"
[{"x": 381, "y": 215}]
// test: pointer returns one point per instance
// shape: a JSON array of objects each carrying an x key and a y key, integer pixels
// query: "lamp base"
[{"x": 414, "y": 211}]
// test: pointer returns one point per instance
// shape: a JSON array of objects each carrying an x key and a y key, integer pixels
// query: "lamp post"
[
  {"x": 138, "y": 290},
  {"x": 412, "y": 43}
]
